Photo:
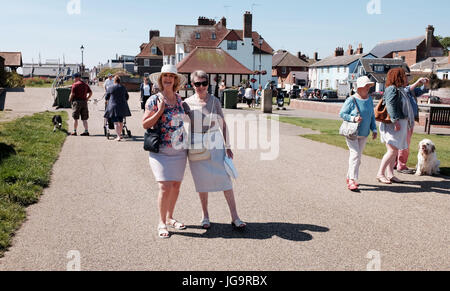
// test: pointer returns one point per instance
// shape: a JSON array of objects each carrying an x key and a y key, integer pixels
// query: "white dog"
[{"x": 428, "y": 164}]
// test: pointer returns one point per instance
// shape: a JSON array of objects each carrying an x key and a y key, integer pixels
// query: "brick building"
[
  {"x": 13, "y": 60},
  {"x": 411, "y": 50},
  {"x": 289, "y": 69},
  {"x": 157, "y": 52}
]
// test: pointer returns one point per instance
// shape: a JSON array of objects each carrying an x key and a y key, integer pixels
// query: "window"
[
  {"x": 146, "y": 63},
  {"x": 214, "y": 36},
  {"x": 327, "y": 83},
  {"x": 154, "y": 50},
  {"x": 232, "y": 45},
  {"x": 197, "y": 35},
  {"x": 445, "y": 76},
  {"x": 338, "y": 69},
  {"x": 378, "y": 68},
  {"x": 328, "y": 69},
  {"x": 173, "y": 60},
  {"x": 180, "y": 57},
  {"x": 283, "y": 70}
]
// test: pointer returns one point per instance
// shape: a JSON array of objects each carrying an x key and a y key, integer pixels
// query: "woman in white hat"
[
  {"x": 164, "y": 111},
  {"x": 359, "y": 108}
]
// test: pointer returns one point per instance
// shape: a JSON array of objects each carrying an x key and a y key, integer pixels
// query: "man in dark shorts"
[{"x": 79, "y": 97}]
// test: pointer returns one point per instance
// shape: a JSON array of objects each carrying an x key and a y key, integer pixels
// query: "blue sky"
[{"x": 109, "y": 27}]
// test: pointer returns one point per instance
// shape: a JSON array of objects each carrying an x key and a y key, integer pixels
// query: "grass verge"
[
  {"x": 329, "y": 134},
  {"x": 28, "y": 150}
]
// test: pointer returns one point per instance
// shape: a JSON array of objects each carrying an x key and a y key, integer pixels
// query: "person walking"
[
  {"x": 248, "y": 95},
  {"x": 395, "y": 134},
  {"x": 109, "y": 82},
  {"x": 146, "y": 92},
  {"x": 359, "y": 108},
  {"x": 164, "y": 112},
  {"x": 412, "y": 92},
  {"x": 79, "y": 97},
  {"x": 117, "y": 108},
  {"x": 222, "y": 88},
  {"x": 259, "y": 94},
  {"x": 207, "y": 121}
]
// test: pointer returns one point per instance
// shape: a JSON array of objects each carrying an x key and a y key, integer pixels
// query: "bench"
[{"x": 437, "y": 116}]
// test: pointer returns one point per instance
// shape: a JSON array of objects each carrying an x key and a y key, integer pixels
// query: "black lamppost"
[
  {"x": 261, "y": 41},
  {"x": 82, "y": 57}
]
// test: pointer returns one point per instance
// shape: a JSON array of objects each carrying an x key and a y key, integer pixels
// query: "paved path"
[{"x": 102, "y": 203}]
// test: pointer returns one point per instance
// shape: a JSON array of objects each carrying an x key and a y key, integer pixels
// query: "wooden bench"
[{"x": 437, "y": 116}]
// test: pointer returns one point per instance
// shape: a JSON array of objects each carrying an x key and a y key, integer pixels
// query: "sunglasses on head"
[{"x": 198, "y": 84}]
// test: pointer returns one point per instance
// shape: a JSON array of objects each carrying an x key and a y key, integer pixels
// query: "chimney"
[
  {"x": 299, "y": 55},
  {"x": 206, "y": 21},
  {"x": 153, "y": 33},
  {"x": 350, "y": 50},
  {"x": 360, "y": 50},
  {"x": 248, "y": 29},
  {"x": 339, "y": 52},
  {"x": 224, "y": 22},
  {"x": 316, "y": 56},
  {"x": 429, "y": 40}
]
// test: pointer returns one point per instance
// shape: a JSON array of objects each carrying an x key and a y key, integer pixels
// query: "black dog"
[{"x": 57, "y": 122}]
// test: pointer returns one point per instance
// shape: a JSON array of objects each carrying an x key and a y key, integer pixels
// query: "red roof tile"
[
  {"x": 12, "y": 59},
  {"x": 165, "y": 44},
  {"x": 213, "y": 61}
]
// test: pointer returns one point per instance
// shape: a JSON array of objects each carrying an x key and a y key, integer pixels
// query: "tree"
[{"x": 445, "y": 41}]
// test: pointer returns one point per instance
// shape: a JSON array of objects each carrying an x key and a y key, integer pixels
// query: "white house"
[
  {"x": 246, "y": 46},
  {"x": 334, "y": 71}
]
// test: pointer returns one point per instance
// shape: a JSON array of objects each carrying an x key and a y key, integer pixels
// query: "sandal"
[
  {"x": 206, "y": 224},
  {"x": 352, "y": 186},
  {"x": 163, "y": 232},
  {"x": 396, "y": 180},
  {"x": 176, "y": 225},
  {"x": 238, "y": 224},
  {"x": 384, "y": 180}
]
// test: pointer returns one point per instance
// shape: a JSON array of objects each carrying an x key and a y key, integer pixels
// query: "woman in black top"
[{"x": 117, "y": 109}]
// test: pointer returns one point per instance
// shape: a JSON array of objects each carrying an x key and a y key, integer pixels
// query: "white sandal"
[
  {"x": 205, "y": 222},
  {"x": 176, "y": 224},
  {"x": 163, "y": 232}
]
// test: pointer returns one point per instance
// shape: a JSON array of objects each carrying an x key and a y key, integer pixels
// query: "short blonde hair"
[{"x": 176, "y": 84}]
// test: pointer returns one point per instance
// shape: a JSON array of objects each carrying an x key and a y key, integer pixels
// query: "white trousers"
[{"x": 356, "y": 150}]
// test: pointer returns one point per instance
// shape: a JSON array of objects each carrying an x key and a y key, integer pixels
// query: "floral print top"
[{"x": 171, "y": 123}]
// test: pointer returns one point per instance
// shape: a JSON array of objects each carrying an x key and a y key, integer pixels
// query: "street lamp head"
[{"x": 82, "y": 48}]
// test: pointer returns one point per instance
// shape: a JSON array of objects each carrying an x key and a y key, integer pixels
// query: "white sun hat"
[
  {"x": 363, "y": 82},
  {"x": 168, "y": 69}
]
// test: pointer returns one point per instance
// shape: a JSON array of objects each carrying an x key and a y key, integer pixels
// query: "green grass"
[
  {"x": 329, "y": 134},
  {"x": 28, "y": 150}
]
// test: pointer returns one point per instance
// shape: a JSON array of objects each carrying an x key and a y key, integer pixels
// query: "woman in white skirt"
[
  {"x": 395, "y": 134},
  {"x": 207, "y": 119},
  {"x": 165, "y": 112}
]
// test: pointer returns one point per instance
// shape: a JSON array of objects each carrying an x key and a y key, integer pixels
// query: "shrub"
[{"x": 14, "y": 80}]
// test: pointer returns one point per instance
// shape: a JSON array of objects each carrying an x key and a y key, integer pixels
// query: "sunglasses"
[{"x": 198, "y": 84}]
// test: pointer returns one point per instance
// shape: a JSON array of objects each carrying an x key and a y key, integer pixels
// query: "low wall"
[{"x": 335, "y": 108}]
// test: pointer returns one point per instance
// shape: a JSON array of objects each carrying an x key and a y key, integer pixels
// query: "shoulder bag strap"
[{"x": 356, "y": 104}]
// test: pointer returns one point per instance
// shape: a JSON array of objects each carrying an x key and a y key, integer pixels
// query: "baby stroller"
[{"x": 109, "y": 125}]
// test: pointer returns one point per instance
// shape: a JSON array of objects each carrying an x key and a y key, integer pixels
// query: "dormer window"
[
  {"x": 154, "y": 50},
  {"x": 378, "y": 68},
  {"x": 214, "y": 36},
  {"x": 197, "y": 35},
  {"x": 232, "y": 45}
]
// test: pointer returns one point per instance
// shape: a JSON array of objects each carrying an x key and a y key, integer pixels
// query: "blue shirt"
[
  {"x": 349, "y": 112},
  {"x": 412, "y": 95}
]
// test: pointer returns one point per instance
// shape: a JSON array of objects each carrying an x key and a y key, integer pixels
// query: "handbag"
[
  {"x": 200, "y": 152},
  {"x": 152, "y": 140},
  {"x": 381, "y": 113},
  {"x": 350, "y": 129}
]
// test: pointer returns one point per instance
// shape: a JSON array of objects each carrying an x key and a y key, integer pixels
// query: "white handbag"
[{"x": 350, "y": 129}]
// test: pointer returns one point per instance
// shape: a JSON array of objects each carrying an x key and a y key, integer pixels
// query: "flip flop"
[
  {"x": 176, "y": 224},
  {"x": 238, "y": 224}
]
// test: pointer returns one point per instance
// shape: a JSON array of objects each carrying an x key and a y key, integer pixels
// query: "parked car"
[
  {"x": 328, "y": 94},
  {"x": 295, "y": 92},
  {"x": 433, "y": 100},
  {"x": 309, "y": 91}
]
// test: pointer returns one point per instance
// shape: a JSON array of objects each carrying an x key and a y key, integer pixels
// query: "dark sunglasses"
[{"x": 198, "y": 84}]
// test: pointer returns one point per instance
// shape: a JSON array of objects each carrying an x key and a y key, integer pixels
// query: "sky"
[{"x": 109, "y": 27}]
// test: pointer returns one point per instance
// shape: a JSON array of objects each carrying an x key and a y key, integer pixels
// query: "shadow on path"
[
  {"x": 259, "y": 231},
  {"x": 410, "y": 187}
]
